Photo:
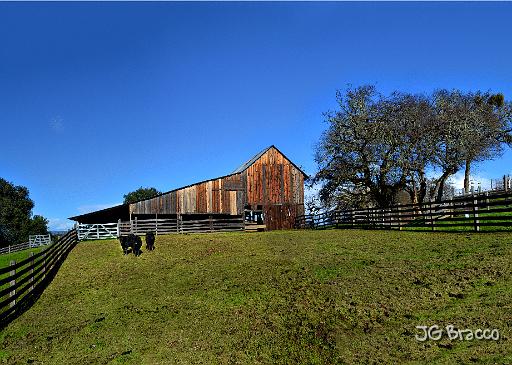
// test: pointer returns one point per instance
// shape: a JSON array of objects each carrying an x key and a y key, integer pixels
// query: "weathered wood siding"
[
  {"x": 272, "y": 179},
  {"x": 278, "y": 186},
  {"x": 282, "y": 216},
  {"x": 225, "y": 195}
]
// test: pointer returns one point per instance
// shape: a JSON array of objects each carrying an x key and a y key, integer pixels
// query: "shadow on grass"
[{"x": 27, "y": 301}]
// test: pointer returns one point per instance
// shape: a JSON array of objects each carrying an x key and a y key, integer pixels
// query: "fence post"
[
  {"x": 211, "y": 223},
  {"x": 12, "y": 283},
  {"x": 487, "y": 200},
  {"x": 119, "y": 227},
  {"x": 98, "y": 231},
  {"x": 399, "y": 210},
  {"x": 31, "y": 280},
  {"x": 44, "y": 265},
  {"x": 156, "y": 224},
  {"x": 475, "y": 214},
  {"x": 136, "y": 228},
  {"x": 431, "y": 216}
]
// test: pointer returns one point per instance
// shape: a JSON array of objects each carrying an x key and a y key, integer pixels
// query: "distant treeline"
[{"x": 16, "y": 219}]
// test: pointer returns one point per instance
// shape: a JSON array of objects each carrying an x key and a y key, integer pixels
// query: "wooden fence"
[
  {"x": 15, "y": 248},
  {"x": 34, "y": 241},
  {"x": 159, "y": 226},
  {"x": 494, "y": 212},
  {"x": 39, "y": 240},
  {"x": 178, "y": 225},
  {"x": 22, "y": 282}
]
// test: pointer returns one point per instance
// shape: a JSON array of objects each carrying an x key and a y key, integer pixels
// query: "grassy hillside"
[{"x": 296, "y": 297}]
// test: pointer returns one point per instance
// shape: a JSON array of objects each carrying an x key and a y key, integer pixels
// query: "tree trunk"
[
  {"x": 423, "y": 191},
  {"x": 438, "y": 192},
  {"x": 413, "y": 195},
  {"x": 466, "y": 177}
]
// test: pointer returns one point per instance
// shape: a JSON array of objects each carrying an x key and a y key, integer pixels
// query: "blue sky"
[{"x": 97, "y": 99}]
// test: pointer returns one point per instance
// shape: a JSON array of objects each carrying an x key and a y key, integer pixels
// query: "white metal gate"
[
  {"x": 39, "y": 240},
  {"x": 100, "y": 231}
]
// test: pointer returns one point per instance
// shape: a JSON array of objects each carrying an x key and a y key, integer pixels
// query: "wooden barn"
[{"x": 268, "y": 189}]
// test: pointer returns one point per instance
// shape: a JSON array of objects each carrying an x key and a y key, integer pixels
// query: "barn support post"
[{"x": 11, "y": 284}]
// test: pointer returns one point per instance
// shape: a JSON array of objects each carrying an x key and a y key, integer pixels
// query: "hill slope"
[{"x": 272, "y": 298}]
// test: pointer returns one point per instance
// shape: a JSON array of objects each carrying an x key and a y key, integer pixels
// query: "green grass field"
[
  {"x": 283, "y": 297},
  {"x": 17, "y": 256}
]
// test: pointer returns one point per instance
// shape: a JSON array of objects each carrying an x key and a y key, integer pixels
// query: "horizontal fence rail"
[
  {"x": 494, "y": 212},
  {"x": 15, "y": 248},
  {"x": 159, "y": 226},
  {"x": 176, "y": 225},
  {"x": 34, "y": 241},
  {"x": 39, "y": 240},
  {"x": 22, "y": 281},
  {"x": 97, "y": 231}
]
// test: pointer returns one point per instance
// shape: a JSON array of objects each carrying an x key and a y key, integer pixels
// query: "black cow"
[
  {"x": 136, "y": 244},
  {"x": 125, "y": 245},
  {"x": 150, "y": 241},
  {"x": 132, "y": 241}
]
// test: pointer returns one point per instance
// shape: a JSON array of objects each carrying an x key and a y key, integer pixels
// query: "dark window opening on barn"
[{"x": 253, "y": 216}]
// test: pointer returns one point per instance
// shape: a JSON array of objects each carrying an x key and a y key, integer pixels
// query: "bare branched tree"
[{"x": 377, "y": 146}]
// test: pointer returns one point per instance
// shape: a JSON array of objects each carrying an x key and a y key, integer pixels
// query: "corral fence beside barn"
[
  {"x": 480, "y": 212},
  {"x": 158, "y": 226}
]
